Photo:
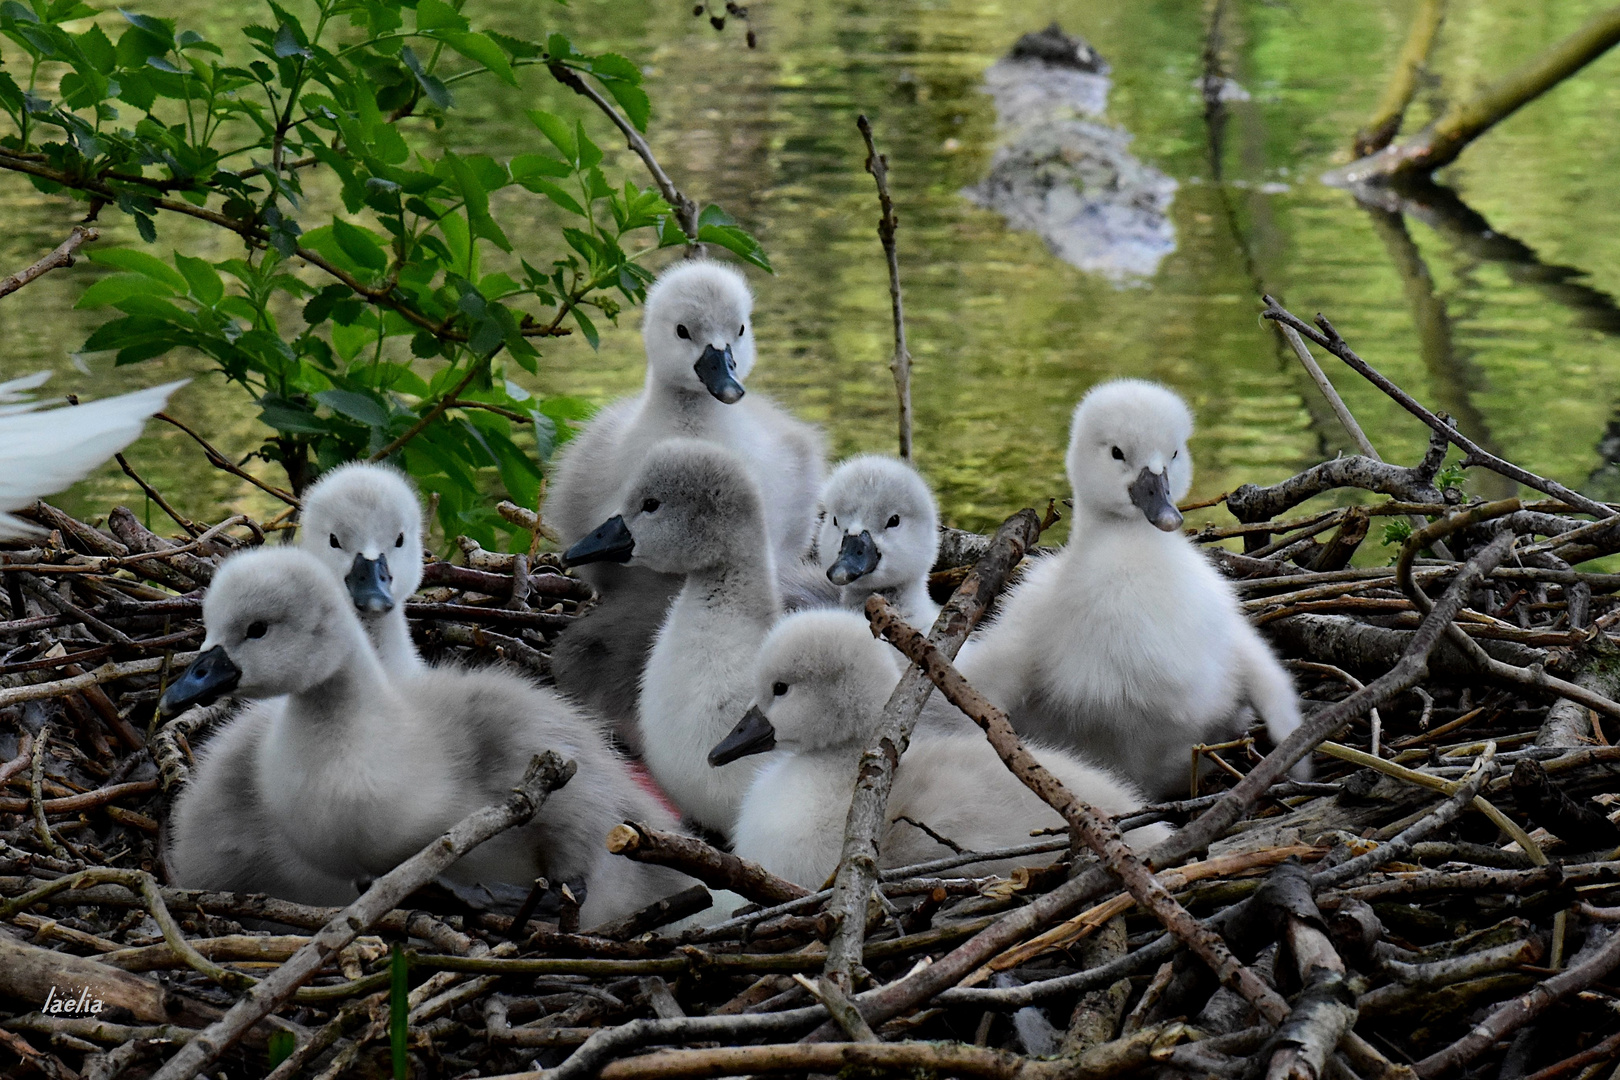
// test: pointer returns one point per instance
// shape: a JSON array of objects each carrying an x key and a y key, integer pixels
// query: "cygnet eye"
[
  {"x": 680, "y": 332},
  {"x": 779, "y": 688},
  {"x": 332, "y": 539},
  {"x": 835, "y": 521},
  {"x": 399, "y": 541},
  {"x": 650, "y": 506},
  {"x": 741, "y": 330},
  {"x": 894, "y": 520},
  {"x": 257, "y": 629},
  {"x": 1174, "y": 454},
  {"x": 1119, "y": 455}
]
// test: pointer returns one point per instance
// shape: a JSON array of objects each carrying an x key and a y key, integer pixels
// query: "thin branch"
[
  {"x": 686, "y": 211},
  {"x": 220, "y": 461},
  {"x": 62, "y": 256},
  {"x": 157, "y": 497},
  {"x": 900, "y": 364},
  {"x": 716, "y": 869},
  {"x": 1328, "y": 338}
]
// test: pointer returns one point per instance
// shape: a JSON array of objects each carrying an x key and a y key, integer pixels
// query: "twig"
[
  {"x": 545, "y": 774},
  {"x": 900, "y": 364},
  {"x": 857, "y": 864},
  {"x": 36, "y": 797},
  {"x": 16, "y": 695},
  {"x": 1328, "y": 338},
  {"x": 716, "y": 869},
  {"x": 156, "y": 496},
  {"x": 220, "y": 461},
  {"x": 1097, "y": 831},
  {"x": 62, "y": 256}
]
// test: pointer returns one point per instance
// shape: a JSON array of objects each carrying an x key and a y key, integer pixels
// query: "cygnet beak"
[
  {"x": 715, "y": 368},
  {"x": 209, "y": 676},
  {"x": 857, "y": 557},
  {"x": 1150, "y": 493},
  {"x": 369, "y": 582},
  {"x": 610, "y": 542},
  {"x": 752, "y": 735}
]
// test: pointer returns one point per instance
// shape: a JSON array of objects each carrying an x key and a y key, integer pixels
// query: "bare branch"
[
  {"x": 900, "y": 364},
  {"x": 62, "y": 256}
]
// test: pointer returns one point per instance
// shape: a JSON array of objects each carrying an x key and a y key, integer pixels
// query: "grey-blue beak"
[
  {"x": 609, "y": 542},
  {"x": 370, "y": 585},
  {"x": 857, "y": 557},
  {"x": 210, "y": 675},
  {"x": 717, "y": 370},
  {"x": 1150, "y": 493},
  {"x": 752, "y": 735}
]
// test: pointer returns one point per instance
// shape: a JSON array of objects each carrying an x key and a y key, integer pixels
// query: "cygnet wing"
[{"x": 44, "y": 452}]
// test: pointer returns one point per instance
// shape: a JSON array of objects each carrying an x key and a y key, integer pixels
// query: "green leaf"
[
  {"x": 117, "y": 288},
  {"x": 519, "y": 48},
  {"x": 356, "y": 406},
  {"x": 203, "y": 279},
  {"x": 438, "y": 15},
  {"x": 139, "y": 262},
  {"x": 293, "y": 421},
  {"x": 590, "y": 154},
  {"x": 360, "y": 245},
  {"x": 287, "y": 45},
  {"x": 633, "y": 100},
  {"x": 477, "y": 202},
  {"x": 431, "y": 85},
  {"x": 587, "y": 328},
  {"x": 555, "y": 128},
  {"x": 280, "y": 1046},
  {"x": 479, "y": 49},
  {"x": 555, "y": 194},
  {"x": 526, "y": 165}
]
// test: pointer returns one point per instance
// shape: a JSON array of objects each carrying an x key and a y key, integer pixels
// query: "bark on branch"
[
  {"x": 716, "y": 869},
  {"x": 900, "y": 365},
  {"x": 62, "y": 256}
]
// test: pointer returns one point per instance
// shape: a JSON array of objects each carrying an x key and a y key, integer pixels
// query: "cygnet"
[
  {"x": 820, "y": 684},
  {"x": 364, "y": 523},
  {"x": 880, "y": 534},
  {"x": 43, "y": 452},
  {"x": 693, "y": 509},
  {"x": 1127, "y": 645},
  {"x": 358, "y": 770}
]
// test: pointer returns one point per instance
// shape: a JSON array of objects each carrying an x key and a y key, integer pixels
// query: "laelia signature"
[{"x": 68, "y": 1005}]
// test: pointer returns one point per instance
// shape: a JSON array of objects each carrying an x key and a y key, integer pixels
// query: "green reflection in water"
[{"x": 1005, "y": 337}]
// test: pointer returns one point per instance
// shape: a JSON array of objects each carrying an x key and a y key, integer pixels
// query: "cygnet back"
[
  {"x": 364, "y": 522},
  {"x": 820, "y": 685},
  {"x": 358, "y": 770},
  {"x": 1128, "y": 646}
]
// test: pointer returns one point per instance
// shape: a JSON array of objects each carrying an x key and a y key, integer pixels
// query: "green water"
[{"x": 1510, "y": 329}]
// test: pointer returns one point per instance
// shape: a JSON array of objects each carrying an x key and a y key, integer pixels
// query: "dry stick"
[
  {"x": 1328, "y": 338},
  {"x": 156, "y": 496},
  {"x": 716, "y": 869},
  {"x": 220, "y": 461},
  {"x": 857, "y": 864},
  {"x": 62, "y": 256},
  {"x": 15, "y": 695},
  {"x": 1340, "y": 409},
  {"x": 1512, "y": 1015},
  {"x": 1096, "y": 830},
  {"x": 1533, "y": 677},
  {"x": 886, "y": 1002},
  {"x": 1386, "y": 118},
  {"x": 36, "y": 796},
  {"x": 1602, "y": 1051},
  {"x": 546, "y": 773},
  {"x": 900, "y": 365}
]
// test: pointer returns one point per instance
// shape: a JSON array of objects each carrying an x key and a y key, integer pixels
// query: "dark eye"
[
  {"x": 741, "y": 330},
  {"x": 1175, "y": 454},
  {"x": 893, "y": 521},
  {"x": 680, "y": 332},
  {"x": 835, "y": 521},
  {"x": 1119, "y": 455},
  {"x": 779, "y": 688},
  {"x": 258, "y": 629},
  {"x": 332, "y": 539},
  {"x": 650, "y": 506},
  {"x": 399, "y": 541}
]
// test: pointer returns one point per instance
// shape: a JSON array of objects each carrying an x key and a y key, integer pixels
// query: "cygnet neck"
[
  {"x": 742, "y": 580},
  {"x": 390, "y": 635},
  {"x": 359, "y": 677},
  {"x": 692, "y": 406},
  {"x": 1088, "y": 520}
]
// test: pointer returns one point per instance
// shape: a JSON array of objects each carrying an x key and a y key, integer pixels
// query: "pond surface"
[{"x": 1493, "y": 304}]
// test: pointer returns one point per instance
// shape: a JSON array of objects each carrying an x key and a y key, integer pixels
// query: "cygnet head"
[
  {"x": 692, "y": 506},
  {"x": 820, "y": 681},
  {"x": 1128, "y": 455},
  {"x": 364, "y": 522},
  {"x": 879, "y": 524},
  {"x": 278, "y": 622},
  {"x": 698, "y": 329}
]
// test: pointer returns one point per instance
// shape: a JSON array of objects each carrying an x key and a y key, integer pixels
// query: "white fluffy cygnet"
[
  {"x": 699, "y": 339},
  {"x": 819, "y": 689},
  {"x": 693, "y": 509},
  {"x": 364, "y": 523},
  {"x": 1127, "y": 645},
  {"x": 880, "y": 534},
  {"x": 43, "y": 452},
  {"x": 358, "y": 770}
]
